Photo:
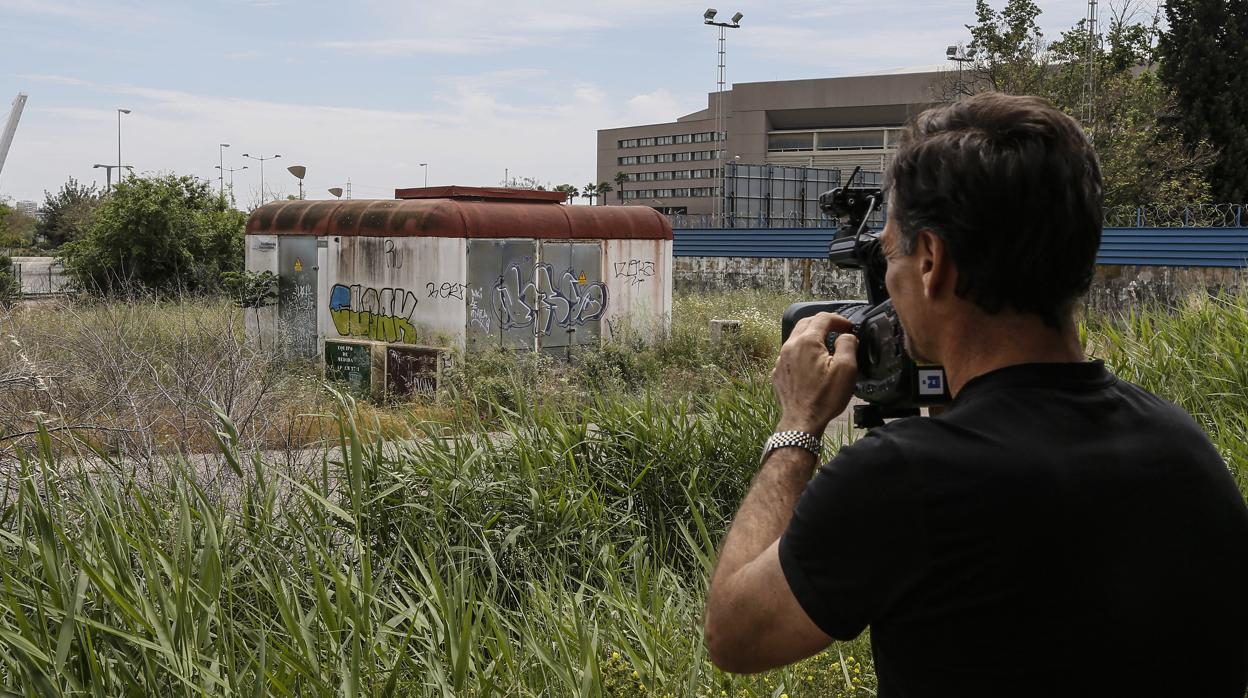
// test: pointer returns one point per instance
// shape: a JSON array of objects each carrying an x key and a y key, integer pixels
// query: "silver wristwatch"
[{"x": 799, "y": 439}]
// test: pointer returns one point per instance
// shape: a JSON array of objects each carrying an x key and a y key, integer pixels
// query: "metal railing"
[{"x": 1159, "y": 216}]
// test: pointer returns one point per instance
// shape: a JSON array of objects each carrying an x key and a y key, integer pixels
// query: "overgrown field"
[{"x": 548, "y": 533}]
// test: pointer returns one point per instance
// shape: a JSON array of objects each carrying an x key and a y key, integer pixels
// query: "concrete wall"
[
  {"x": 261, "y": 256},
  {"x": 1115, "y": 288},
  {"x": 638, "y": 276},
  {"x": 403, "y": 290}
]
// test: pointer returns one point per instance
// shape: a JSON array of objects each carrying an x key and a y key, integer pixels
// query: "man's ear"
[{"x": 935, "y": 264}]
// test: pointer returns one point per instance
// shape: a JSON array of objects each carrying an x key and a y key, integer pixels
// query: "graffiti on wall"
[
  {"x": 380, "y": 314},
  {"x": 634, "y": 271},
  {"x": 569, "y": 302},
  {"x": 478, "y": 316}
]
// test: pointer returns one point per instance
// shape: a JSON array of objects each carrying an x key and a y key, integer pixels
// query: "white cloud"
[{"x": 467, "y": 134}]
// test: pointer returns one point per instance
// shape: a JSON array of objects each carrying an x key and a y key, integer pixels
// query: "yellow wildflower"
[{"x": 615, "y": 655}]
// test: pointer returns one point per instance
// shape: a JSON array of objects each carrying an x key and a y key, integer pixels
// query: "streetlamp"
[
  {"x": 961, "y": 55},
  {"x": 299, "y": 171},
  {"x": 336, "y": 191},
  {"x": 231, "y": 170},
  {"x": 425, "y": 165},
  {"x": 261, "y": 158},
  {"x": 721, "y": 120},
  {"x": 221, "y": 165},
  {"x": 119, "y": 169},
  {"x": 108, "y": 173}
]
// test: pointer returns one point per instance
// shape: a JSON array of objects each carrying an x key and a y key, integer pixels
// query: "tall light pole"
[
  {"x": 721, "y": 119},
  {"x": 221, "y": 165},
  {"x": 425, "y": 165},
  {"x": 961, "y": 55},
  {"x": 261, "y": 158},
  {"x": 108, "y": 173},
  {"x": 231, "y": 170},
  {"x": 119, "y": 168},
  {"x": 299, "y": 171}
]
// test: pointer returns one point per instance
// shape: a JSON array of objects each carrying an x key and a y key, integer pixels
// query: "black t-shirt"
[{"x": 1057, "y": 532}]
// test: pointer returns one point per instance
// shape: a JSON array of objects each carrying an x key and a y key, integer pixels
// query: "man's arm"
[{"x": 753, "y": 622}]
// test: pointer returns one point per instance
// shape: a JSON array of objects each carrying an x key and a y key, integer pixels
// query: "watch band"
[{"x": 790, "y": 439}]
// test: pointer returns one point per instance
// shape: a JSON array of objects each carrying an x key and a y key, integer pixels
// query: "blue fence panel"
[{"x": 1179, "y": 247}]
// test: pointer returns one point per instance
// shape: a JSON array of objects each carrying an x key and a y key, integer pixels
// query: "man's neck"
[{"x": 1006, "y": 339}]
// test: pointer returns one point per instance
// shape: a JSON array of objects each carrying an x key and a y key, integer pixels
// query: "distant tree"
[
  {"x": 159, "y": 233},
  {"x": 1130, "y": 113},
  {"x": 66, "y": 215},
  {"x": 603, "y": 189},
  {"x": 10, "y": 287},
  {"x": 17, "y": 229},
  {"x": 1203, "y": 55},
  {"x": 589, "y": 191},
  {"x": 621, "y": 179},
  {"x": 568, "y": 190}
]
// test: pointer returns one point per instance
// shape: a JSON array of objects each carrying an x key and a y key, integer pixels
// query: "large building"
[{"x": 834, "y": 123}]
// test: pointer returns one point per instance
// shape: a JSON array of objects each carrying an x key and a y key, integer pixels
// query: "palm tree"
[
  {"x": 568, "y": 190},
  {"x": 603, "y": 188},
  {"x": 620, "y": 179},
  {"x": 589, "y": 191}
]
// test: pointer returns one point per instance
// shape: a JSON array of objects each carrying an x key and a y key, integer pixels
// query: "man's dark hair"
[{"x": 1013, "y": 188}]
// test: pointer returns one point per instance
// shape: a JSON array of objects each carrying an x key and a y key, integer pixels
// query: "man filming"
[{"x": 1056, "y": 531}]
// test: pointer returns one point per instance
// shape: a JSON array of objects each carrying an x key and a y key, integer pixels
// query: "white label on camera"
[{"x": 931, "y": 382}]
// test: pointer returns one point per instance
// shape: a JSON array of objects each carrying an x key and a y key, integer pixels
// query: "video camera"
[{"x": 890, "y": 382}]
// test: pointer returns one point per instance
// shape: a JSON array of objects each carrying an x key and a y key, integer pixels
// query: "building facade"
[{"x": 833, "y": 123}]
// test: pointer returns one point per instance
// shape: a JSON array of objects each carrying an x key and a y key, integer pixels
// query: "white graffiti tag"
[{"x": 564, "y": 304}]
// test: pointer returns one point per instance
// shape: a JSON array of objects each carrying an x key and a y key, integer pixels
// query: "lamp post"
[
  {"x": 108, "y": 173},
  {"x": 261, "y": 158},
  {"x": 119, "y": 169},
  {"x": 960, "y": 55},
  {"x": 221, "y": 165},
  {"x": 721, "y": 120},
  {"x": 231, "y": 170},
  {"x": 336, "y": 191},
  {"x": 299, "y": 171},
  {"x": 425, "y": 166}
]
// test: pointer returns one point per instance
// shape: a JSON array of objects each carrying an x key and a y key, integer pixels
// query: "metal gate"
[
  {"x": 523, "y": 294},
  {"x": 296, "y": 302}
]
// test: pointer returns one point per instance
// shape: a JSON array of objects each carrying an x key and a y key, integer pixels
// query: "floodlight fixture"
[
  {"x": 336, "y": 191},
  {"x": 710, "y": 13},
  {"x": 970, "y": 52},
  {"x": 951, "y": 51},
  {"x": 736, "y": 19}
]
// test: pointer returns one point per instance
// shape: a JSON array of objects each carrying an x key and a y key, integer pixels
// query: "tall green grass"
[
  {"x": 534, "y": 547},
  {"x": 565, "y": 555}
]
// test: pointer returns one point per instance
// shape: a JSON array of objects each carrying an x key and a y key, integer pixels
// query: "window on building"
[
  {"x": 705, "y": 137},
  {"x": 684, "y": 138},
  {"x": 628, "y": 160},
  {"x": 666, "y": 174},
  {"x": 664, "y": 140},
  {"x": 645, "y": 159},
  {"x": 643, "y": 142},
  {"x": 788, "y": 142},
  {"x": 851, "y": 140}
]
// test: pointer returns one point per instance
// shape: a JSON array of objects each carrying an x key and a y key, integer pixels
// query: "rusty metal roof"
[
  {"x": 458, "y": 218},
  {"x": 482, "y": 194}
]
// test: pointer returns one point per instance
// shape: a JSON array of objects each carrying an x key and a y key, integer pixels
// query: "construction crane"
[{"x": 10, "y": 128}]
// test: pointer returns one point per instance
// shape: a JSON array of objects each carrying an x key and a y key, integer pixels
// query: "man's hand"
[{"x": 812, "y": 386}]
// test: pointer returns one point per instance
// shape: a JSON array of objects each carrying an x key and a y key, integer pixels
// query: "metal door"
[
  {"x": 296, "y": 302},
  {"x": 502, "y": 294},
  {"x": 571, "y": 296}
]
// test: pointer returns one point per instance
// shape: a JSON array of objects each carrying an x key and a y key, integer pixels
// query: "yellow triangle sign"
[
  {"x": 581, "y": 279},
  {"x": 298, "y": 265}
]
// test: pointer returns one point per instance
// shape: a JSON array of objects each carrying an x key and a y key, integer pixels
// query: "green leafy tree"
[
  {"x": 621, "y": 179},
  {"x": 159, "y": 233},
  {"x": 16, "y": 228},
  {"x": 10, "y": 287},
  {"x": 1203, "y": 53},
  {"x": 1129, "y": 114},
  {"x": 66, "y": 215}
]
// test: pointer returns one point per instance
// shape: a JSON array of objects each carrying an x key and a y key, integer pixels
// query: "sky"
[{"x": 368, "y": 90}]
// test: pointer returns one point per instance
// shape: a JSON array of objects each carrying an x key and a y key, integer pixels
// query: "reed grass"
[{"x": 532, "y": 546}]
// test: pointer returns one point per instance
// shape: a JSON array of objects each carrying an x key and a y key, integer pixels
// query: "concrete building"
[{"x": 676, "y": 167}]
